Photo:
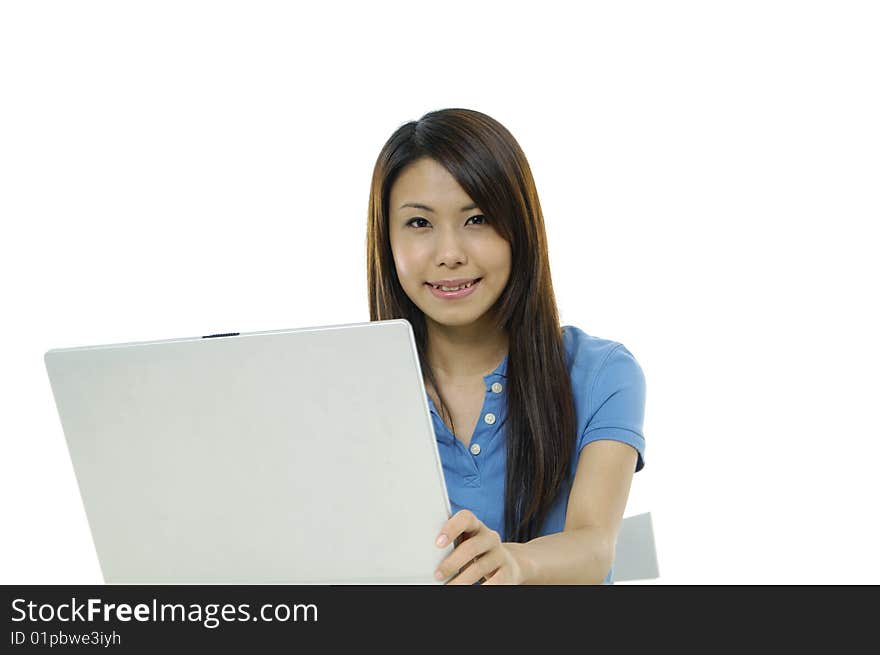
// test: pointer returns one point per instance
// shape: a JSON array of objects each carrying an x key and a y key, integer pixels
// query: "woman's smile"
[{"x": 453, "y": 293}]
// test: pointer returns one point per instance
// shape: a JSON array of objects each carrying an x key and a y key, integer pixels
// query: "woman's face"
[{"x": 438, "y": 234}]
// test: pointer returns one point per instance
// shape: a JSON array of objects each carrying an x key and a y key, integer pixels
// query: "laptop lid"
[{"x": 303, "y": 456}]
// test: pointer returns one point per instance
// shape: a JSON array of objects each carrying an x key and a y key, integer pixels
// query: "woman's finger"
[
  {"x": 466, "y": 552},
  {"x": 462, "y": 522},
  {"x": 480, "y": 568},
  {"x": 497, "y": 577}
]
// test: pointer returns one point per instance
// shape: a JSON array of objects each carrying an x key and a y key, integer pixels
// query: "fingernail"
[
  {"x": 441, "y": 540},
  {"x": 438, "y": 575}
]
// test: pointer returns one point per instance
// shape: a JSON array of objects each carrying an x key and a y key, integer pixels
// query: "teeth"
[{"x": 463, "y": 286}]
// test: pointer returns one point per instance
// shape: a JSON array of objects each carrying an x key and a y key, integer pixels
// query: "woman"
[{"x": 539, "y": 427}]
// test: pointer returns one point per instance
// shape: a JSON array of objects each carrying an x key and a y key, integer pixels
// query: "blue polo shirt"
[{"x": 609, "y": 401}]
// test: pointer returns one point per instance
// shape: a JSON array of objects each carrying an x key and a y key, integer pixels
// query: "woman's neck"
[{"x": 465, "y": 353}]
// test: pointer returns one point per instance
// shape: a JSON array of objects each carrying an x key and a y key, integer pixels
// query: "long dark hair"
[{"x": 490, "y": 166}]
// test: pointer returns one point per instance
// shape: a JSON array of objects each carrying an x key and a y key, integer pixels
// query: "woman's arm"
[{"x": 584, "y": 551}]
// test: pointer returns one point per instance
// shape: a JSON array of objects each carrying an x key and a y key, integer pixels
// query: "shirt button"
[
  {"x": 496, "y": 387},
  {"x": 489, "y": 418},
  {"x": 475, "y": 449}
]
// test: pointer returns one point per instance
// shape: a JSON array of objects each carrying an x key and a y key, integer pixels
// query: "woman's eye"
[{"x": 422, "y": 222}]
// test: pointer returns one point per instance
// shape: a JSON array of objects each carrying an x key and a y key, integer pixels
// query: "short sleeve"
[{"x": 617, "y": 404}]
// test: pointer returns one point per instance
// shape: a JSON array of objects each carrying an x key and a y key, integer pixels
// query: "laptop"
[{"x": 301, "y": 456}]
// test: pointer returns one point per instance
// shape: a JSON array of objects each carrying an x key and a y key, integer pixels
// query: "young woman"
[{"x": 539, "y": 427}]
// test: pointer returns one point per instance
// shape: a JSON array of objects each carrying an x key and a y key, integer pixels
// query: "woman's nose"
[{"x": 450, "y": 250}]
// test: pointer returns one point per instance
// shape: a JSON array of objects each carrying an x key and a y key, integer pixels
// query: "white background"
[{"x": 709, "y": 178}]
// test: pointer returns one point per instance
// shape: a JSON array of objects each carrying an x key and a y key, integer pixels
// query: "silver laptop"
[{"x": 302, "y": 456}]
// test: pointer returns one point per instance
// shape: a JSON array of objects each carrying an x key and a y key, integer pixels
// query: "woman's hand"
[{"x": 480, "y": 553}]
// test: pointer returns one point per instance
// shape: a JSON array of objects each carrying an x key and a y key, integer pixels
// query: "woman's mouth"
[{"x": 454, "y": 292}]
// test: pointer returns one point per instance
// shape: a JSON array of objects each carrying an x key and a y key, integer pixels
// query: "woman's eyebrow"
[{"x": 417, "y": 205}]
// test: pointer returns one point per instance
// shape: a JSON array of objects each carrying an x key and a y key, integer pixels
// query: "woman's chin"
[{"x": 454, "y": 319}]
